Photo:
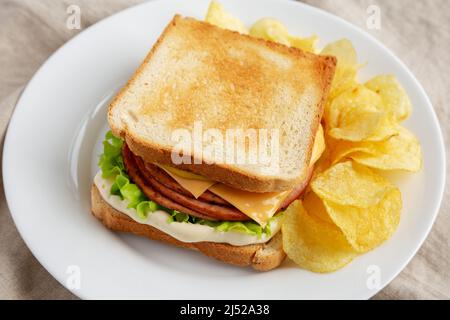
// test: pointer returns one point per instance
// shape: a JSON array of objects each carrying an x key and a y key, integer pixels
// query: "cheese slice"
[
  {"x": 257, "y": 206},
  {"x": 318, "y": 146},
  {"x": 195, "y": 186}
]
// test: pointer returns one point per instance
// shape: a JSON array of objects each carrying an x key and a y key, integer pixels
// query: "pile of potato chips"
[{"x": 349, "y": 207}]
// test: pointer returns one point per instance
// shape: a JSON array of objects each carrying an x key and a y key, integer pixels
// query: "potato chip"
[
  {"x": 357, "y": 115},
  {"x": 270, "y": 29},
  {"x": 399, "y": 152},
  {"x": 217, "y": 16},
  {"x": 357, "y": 125},
  {"x": 306, "y": 44},
  {"x": 367, "y": 228},
  {"x": 340, "y": 149},
  {"x": 343, "y": 50},
  {"x": 313, "y": 244},
  {"x": 273, "y": 30},
  {"x": 347, "y": 66},
  {"x": 396, "y": 102},
  {"x": 320, "y": 166},
  {"x": 344, "y": 79},
  {"x": 315, "y": 207},
  {"x": 348, "y": 183},
  {"x": 386, "y": 128},
  {"x": 350, "y": 100}
]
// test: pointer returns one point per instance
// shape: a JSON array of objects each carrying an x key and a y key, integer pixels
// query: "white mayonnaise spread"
[{"x": 186, "y": 232}]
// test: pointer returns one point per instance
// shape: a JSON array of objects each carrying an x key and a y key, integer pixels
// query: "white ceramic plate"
[{"x": 54, "y": 139}]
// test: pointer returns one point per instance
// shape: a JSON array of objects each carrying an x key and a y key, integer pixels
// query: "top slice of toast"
[{"x": 200, "y": 75}]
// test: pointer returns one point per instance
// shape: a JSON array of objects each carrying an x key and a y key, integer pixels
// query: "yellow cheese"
[
  {"x": 182, "y": 173},
  {"x": 318, "y": 147},
  {"x": 189, "y": 180},
  {"x": 257, "y": 206}
]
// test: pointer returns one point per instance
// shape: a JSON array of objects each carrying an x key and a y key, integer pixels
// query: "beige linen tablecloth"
[{"x": 417, "y": 31}]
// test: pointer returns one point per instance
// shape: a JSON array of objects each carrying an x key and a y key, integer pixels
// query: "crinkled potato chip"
[
  {"x": 315, "y": 207},
  {"x": 356, "y": 125},
  {"x": 386, "y": 128},
  {"x": 343, "y": 50},
  {"x": 396, "y": 102},
  {"x": 273, "y": 30},
  {"x": 399, "y": 152},
  {"x": 357, "y": 115},
  {"x": 313, "y": 244},
  {"x": 341, "y": 149},
  {"x": 217, "y": 16},
  {"x": 359, "y": 98},
  {"x": 320, "y": 166},
  {"x": 344, "y": 79},
  {"x": 348, "y": 183},
  {"x": 347, "y": 66},
  {"x": 306, "y": 44},
  {"x": 270, "y": 29},
  {"x": 367, "y": 228}
]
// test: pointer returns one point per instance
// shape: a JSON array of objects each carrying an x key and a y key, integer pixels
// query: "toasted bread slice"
[
  {"x": 262, "y": 257},
  {"x": 220, "y": 79}
]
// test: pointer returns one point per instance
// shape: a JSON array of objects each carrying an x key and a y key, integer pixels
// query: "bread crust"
[
  {"x": 227, "y": 174},
  {"x": 261, "y": 257}
]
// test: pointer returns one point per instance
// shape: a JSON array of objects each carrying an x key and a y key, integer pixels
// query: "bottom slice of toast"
[{"x": 262, "y": 257}]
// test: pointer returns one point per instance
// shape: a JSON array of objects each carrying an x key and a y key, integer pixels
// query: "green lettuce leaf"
[{"x": 112, "y": 167}]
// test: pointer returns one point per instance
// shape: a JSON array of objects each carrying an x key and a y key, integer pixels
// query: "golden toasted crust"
[
  {"x": 262, "y": 257},
  {"x": 239, "y": 88},
  {"x": 115, "y": 129}
]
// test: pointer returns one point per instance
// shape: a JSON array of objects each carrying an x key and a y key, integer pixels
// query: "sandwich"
[{"x": 168, "y": 169}]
